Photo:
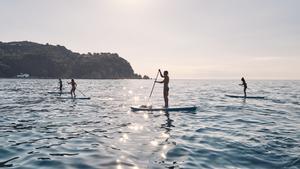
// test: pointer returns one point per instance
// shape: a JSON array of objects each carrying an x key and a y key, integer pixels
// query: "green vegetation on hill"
[{"x": 49, "y": 61}]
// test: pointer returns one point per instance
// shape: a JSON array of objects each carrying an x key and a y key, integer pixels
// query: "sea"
[{"x": 42, "y": 130}]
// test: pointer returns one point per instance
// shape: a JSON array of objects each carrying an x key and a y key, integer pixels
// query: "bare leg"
[
  {"x": 166, "y": 101},
  {"x": 73, "y": 93},
  {"x": 166, "y": 95},
  {"x": 245, "y": 94}
]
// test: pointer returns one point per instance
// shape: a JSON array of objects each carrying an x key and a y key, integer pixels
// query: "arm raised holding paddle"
[{"x": 162, "y": 75}]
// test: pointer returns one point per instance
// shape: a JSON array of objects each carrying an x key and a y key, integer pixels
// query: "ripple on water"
[{"x": 40, "y": 131}]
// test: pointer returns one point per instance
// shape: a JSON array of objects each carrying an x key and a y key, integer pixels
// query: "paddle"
[
  {"x": 81, "y": 93},
  {"x": 153, "y": 86}
]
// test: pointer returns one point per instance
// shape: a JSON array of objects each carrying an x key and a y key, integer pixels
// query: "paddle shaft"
[
  {"x": 153, "y": 85},
  {"x": 247, "y": 86},
  {"x": 82, "y": 93}
]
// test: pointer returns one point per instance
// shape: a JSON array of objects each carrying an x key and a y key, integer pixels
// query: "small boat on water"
[{"x": 23, "y": 75}]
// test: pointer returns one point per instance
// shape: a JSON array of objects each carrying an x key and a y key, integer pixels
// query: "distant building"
[{"x": 23, "y": 75}]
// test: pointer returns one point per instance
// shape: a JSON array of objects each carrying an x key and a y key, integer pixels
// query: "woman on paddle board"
[
  {"x": 245, "y": 86},
  {"x": 74, "y": 85},
  {"x": 166, "y": 86}
]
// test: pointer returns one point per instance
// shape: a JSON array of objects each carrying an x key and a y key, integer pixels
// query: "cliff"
[{"x": 49, "y": 61}]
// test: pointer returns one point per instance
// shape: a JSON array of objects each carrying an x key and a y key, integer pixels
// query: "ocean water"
[{"x": 40, "y": 130}]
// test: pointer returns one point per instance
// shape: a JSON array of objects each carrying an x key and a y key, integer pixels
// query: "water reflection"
[
  {"x": 73, "y": 105},
  {"x": 244, "y": 101},
  {"x": 119, "y": 166},
  {"x": 166, "y": 135},
  {"x": 136, "y": 99},
  {"x": 124, "y": 138},
  {"x": 146, "y": 116},
  {"x": 154, "y": 143},
  {"x": 136, "y": 127},
  {"x": 168, "y": 123},
  {"x": 163, "y": 155},
  {"x": 45, "y": 131}
]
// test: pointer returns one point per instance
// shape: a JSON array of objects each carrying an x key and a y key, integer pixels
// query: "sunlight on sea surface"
[{"x": 39, "y": 130}]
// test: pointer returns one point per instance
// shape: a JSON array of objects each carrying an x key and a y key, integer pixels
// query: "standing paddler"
[
  {"x": 74, "y": 85},
  {"x": 245, "y": 86},
  {"x": 60, "y": 85},
  {"x": 166, "y": 86}
]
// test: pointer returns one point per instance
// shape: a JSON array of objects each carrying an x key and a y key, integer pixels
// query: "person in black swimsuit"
[
  {"x": 74, "y": 85},
  {"x": 245, "y": 86},
  {"x": 166, "y": 86}
]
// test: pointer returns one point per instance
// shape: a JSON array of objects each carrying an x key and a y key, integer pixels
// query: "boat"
[{"x": 23, "y": 75}]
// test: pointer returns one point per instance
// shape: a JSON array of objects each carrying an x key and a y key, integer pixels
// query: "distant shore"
[{"x": 54, "y": 61}]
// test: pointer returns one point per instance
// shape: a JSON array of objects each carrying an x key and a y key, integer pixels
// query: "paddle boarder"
[
  {"x": 74, "y": 85},
  {"x": 245, "y": 86},
  {"x": 60, "y": 85},
  {"x": 166, "y": 86}
]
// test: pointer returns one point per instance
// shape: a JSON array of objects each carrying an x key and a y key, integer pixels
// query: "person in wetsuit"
[
  {"x": 245, "y": 86},
  {"x": 74, "y": 85},
  {"x": 166, "y": 86}
]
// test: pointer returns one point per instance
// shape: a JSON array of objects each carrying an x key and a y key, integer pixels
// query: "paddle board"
[
  {"x": 55, "y": 92},
  {"x": 248, "y": 97},
  {"x": 75, "y": 98},
  {"x": 145, "y": 108}
]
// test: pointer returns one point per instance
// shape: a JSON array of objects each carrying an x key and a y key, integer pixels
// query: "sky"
[{"x": 192, "y": 39}]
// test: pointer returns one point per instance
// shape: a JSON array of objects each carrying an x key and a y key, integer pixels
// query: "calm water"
[{"x": 39, "y": 130}]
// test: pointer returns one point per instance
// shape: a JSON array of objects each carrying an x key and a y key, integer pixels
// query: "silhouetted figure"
[
  {"x": 60, "y": 85},
  {"x": 166, "y": 86},
  {"x": 74, "y": 85},
  {"x": 245, "y": 86}
]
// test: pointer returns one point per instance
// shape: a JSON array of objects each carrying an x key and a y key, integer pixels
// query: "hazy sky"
[{"x": 190, "y": 38}]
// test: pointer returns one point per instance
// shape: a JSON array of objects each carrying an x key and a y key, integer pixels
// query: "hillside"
[{"x": 49, "y": 61}]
